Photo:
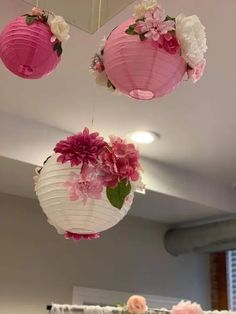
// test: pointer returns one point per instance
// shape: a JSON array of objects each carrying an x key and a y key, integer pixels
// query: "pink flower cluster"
[
  {"x": 186, "y": 308},
  {"x": 159, "y": 29},
  {"x": 196, "y": 73},
  {"x": 77, "y": 237},
  {"x": 102, "y": 164}
]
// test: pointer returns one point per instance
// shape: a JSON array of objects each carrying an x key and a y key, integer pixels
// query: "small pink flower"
[
  {"x": 118, "y": 162},
  {"x": 77, "y": 237},
  {"x": 85, "y": 185},
  {"x": 186, "y": 308},
  {"x": 169, "y": 43},
  {"x": 137, "y": 305},
  {"x": 37, "y": 12},
  {"x": 53, "y": 39},
  {"x": 99, "y": 67},
  {"x": 83, "y": 147},
  {"x": 97, "y": 64},
  {"x": 154, "y": 25},
  {"x": 196, "y": 73}
]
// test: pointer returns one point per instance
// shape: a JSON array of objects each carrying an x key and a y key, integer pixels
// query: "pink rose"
[
  {"x": 169, "y": 43},
  {"x": 37, "y": 11},
  {"x": 137, "y": 305},
  {"x": 186, "y": 308},
  {"x": 196, "y": 73},
  {"x": 99, "y": 66}
]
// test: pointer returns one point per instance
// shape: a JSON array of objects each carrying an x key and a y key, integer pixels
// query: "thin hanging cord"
[
  {"x": 94, "y": 94},
  {"x": 37, "y": 3}
]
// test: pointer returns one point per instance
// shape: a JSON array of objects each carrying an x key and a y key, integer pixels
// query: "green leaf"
[
  {"x": 118, "y": 195},
  {"x": 109, "y": 85},
  {"x": 29, "y": 19},
  {"x": 131, "y": 30},
  {"x": 58, "y": 48},
  {"x": 169, "y": 18}
]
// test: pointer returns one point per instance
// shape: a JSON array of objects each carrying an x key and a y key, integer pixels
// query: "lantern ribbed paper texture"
[
  {"x": 95, "y": 216},
  {"x": 141, "y": 69},
  {"x": 27, "y": 50}
]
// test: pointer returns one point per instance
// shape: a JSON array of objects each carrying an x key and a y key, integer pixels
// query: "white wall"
[{"x": 38, "y": 266}]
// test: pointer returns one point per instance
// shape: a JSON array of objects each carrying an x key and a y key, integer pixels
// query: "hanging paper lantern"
[
  {"x": 31, "y": 46},
  {"x": 147, "y": 56},
  {"x": 88, "y": 185}
]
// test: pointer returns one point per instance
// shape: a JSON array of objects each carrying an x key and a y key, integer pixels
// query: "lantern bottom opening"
[
  {"x": 141, "y": 94},
  {"x": 25, "y": 70}
]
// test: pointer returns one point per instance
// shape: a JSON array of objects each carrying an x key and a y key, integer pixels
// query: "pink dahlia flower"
[
  {"x": 85, "y": 185},
  {"x": 119, "y": 162},
  {"x": 154, "y": 25},
  {"x": 83, "y": 147}
]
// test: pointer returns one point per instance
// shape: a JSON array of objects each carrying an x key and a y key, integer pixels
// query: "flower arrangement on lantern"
[
  {"x": 96, "y": 170},
  {"x": 181, "y": 35},
  {"x": 58, "y": 26}
]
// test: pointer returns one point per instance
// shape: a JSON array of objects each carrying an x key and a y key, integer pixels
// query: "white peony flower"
[
  {"x": 60, "y": 28},
  {"x": 192, "y": 38},
  {"x": 142, "y": 8}
]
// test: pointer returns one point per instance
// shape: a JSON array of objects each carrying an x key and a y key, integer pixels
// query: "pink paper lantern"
[
  {"x": 139, "y": 68},
  {"x": 27, "y": 50}
]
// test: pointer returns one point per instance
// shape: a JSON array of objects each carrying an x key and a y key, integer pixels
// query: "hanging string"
[
  {"x": 37, "y": 3},
  {"x": 94, "y": 94}
]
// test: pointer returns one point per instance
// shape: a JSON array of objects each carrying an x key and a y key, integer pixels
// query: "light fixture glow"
[{"x": 143, "y": 137}]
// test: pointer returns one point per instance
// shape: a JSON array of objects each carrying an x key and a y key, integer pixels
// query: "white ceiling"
[{"x": 197, "y": 123}]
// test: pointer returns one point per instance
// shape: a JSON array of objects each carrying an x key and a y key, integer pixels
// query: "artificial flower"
[
  {"x": 60, "y": 28},
  {"x": 192, "y": 38},
  {"x": 137, "y": 305},
  {"x": 97, "y": 64},
  {"x": 154, "y": 24},
  {"x": 119, "y": 162},
  {"x": 37, "y": 12},
  {"x": 77, "y": 237},
  {"x": 145, "y": 6},
  {"x": 186, "y": 308},
  {"x": 196, "y": 73},
  {"x": 84, "y": 185},
  {"x": 36, "y": 178},
  {"x": 83, "y": 147},
  {"x": 169, "y": 42}
]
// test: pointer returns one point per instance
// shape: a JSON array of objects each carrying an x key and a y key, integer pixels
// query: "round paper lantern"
[
  {"x": 27, "y": 50},
  {"x": 141, "y": 69},
  {"x": 74, "y": 216}
]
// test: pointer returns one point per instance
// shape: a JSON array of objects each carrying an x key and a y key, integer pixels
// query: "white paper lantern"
[{"x": 74, "y": 216}]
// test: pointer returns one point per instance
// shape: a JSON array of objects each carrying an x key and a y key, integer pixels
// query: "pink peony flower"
[
  {"x": 77, "y": 237},
  {"x": 169, "y": 43},
  {"x": 154, "y": 25},
  {"x": 196, "y": 73},
  {"x": 137, "y": 305},
  {"x": 186, "y": 308},
  {"x": 85, "y": 185},
  {"x": 37, "y": 12},
  {"x": 83, "y": 147},
  {"x": 119, "y": 162}
]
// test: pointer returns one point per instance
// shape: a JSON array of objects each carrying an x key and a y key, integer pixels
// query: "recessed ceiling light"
[{"x": 143, "y": 137}]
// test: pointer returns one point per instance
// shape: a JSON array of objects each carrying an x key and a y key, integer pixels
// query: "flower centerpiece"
[
  {"x": 31, "y": 45},
  {"x": 87, "y": 186},
  {"x": 170, "y": 47}
]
